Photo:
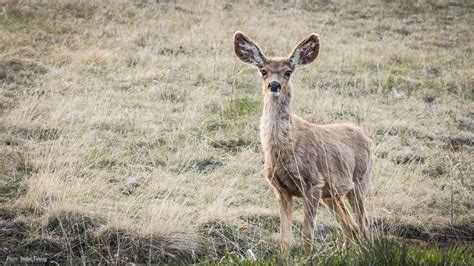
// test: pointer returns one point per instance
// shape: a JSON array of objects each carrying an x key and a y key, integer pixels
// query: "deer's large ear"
[
  {"x": 248, "y": 51},
  {"x": 306, "y": 51}
]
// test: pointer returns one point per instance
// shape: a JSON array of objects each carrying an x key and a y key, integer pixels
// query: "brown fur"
[{"x": 306, "y": 160}]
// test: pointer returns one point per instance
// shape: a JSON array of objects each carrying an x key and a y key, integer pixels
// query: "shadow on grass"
[{"x": 69, "y": 235}]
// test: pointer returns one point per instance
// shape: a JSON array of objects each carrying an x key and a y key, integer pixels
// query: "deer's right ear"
[{"x": 248, "y": 51}]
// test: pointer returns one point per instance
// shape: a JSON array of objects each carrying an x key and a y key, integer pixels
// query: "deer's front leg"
[
  {"x": 285, "y": 204},
  {"x": 310, "y": 203}
]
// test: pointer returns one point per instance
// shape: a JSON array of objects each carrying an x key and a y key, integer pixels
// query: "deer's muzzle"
[{"x": 274, "y": 86}]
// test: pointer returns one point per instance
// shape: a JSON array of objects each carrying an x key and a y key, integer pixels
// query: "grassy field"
[{"x": 129, "y": 131}]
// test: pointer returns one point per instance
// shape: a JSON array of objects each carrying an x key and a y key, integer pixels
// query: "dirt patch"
[
  {"x": 10, "y": 226},
  {"x": 174, "y": 51},
  {"x": 459, "y": 142},
  {"x": 37, "y": 133},
  {"x": 18, "y": 240},
  {"x": 202, "y": 166},
  {"x": 45, "y": 248},
  {"x": 171, "y": 96},
  {"x": 20, "y": 71},
  {"x": 15, "y": 76},
  {"x": 7, "y": 100},
  {"x": 11, "y": 234},
  {"x": 466, "y": 125},
  {"x": 230, "y": 145},
  {"x": 436, "y": 169},
  {"x": 402, "y": 131},
  {"x": 409, "y": 159}
]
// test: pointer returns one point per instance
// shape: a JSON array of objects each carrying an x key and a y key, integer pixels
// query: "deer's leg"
[
  {"x": 357, "y": 196},
  {"x": 357, "y": 200},
  {"x": 337, "y": 206},
  {"x": 310, "y": 203},
  {"x": 285, "y": 204}
]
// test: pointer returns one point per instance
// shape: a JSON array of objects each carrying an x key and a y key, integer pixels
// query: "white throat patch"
[{"x": 274, "y": 93}]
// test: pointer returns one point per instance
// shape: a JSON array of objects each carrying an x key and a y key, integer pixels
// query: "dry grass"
[{"x": 138, "y": 117}]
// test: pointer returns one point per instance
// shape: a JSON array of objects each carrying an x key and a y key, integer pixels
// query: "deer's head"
[{"x": 276, "y": 71}]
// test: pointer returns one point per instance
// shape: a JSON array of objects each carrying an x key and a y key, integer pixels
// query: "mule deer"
[{"x": 306, "y": 160}]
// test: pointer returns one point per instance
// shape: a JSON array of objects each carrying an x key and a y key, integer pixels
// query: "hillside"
[{"x": 129, "y": 131}]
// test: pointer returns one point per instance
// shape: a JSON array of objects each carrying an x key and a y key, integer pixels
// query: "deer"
[{"x": 318, "y": 163}]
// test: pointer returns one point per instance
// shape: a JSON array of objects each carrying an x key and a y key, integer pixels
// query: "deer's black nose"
[{"x": 274, "y": 86}]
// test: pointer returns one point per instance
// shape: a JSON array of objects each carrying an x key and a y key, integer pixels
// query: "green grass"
[{"x": 382, "y": 252}]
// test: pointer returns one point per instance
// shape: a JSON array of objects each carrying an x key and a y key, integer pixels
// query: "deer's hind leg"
[
  {"x": 337, "y": 206},
  {"x": 356, "y": 198}
]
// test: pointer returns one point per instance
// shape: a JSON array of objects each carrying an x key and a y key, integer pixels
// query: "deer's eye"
[
  {"x": 263, "y": 72},
  {"x": 288, "y": 73}
]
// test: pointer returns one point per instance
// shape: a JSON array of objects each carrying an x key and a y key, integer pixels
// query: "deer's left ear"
[{"x": 306, "y": 51}]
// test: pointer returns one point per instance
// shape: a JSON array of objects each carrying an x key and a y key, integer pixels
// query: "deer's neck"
[{"x": 276, "y": 122}]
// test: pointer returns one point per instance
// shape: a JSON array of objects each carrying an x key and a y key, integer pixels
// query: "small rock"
[
  {"x": 398, "y": 95},
  {"x": 227, "y": 7},
  {"x": 428, "y": 98}
]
